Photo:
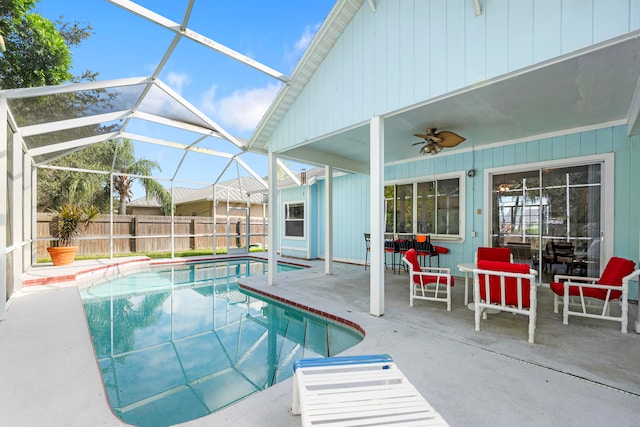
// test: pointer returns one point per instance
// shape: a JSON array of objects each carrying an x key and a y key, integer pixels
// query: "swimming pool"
[{"x": 178, "y": 342}]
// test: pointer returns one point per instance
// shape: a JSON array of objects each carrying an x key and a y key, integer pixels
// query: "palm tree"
[{"x": 126, "y": 164}]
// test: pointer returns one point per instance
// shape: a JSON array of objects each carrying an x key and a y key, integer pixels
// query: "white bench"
[{"x": 358, "y": 391}]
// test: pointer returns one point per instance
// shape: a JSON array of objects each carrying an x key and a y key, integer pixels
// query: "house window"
[
  {"x": 294, "y": 219},
  {"x": 425, "y": 207}
]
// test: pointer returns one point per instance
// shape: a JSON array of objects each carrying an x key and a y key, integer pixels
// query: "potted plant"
[{"x": 68, "y": 222}]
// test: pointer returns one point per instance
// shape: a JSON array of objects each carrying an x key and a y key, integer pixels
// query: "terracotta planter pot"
[{"x": 62, "y": 255}]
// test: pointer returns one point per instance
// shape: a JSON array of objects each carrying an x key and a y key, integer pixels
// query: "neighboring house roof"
[
  {"x": 154, "y": 202},
  {"x": 234, "y": 190}
]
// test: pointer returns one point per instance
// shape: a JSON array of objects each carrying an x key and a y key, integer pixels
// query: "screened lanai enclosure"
[{"x": 47, "y": 123}]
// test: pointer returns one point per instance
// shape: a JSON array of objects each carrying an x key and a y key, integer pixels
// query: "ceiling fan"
[{"x": 435, "y": 142}]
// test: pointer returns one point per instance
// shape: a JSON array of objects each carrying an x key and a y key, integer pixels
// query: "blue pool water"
[{"x": 179, "y": 342}]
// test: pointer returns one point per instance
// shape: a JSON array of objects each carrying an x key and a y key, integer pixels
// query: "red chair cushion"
[
  {"x": 616, "y": 269},
  {"x": 423, "y": 279},
  {"x": 412, "y": 257},
  {"x": 494, "y": 254},
  {"x": 441, "y": 250},
  {"x": 511, "y": 283}
]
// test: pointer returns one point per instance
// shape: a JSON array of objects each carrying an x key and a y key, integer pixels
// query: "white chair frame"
[
  {"x": 585, "y": 303},
  {"x": 481, "y": 306},
  {"x": 440, "y": 290}
]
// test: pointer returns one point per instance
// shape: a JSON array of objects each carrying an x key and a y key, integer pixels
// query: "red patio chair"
[
  {"x": 428, "y": 283},
  {"x": 587, "y": 292},
  {"x": 507, "y": 287},
  {"x": 488, "y": 254}
]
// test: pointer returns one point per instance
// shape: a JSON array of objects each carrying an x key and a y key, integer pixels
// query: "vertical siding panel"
[
  {"x": 620, "y": 140},
  {"x": 604, "y": 140},
  {"x": 610, "y": 19},
  {"x": 572, "y": 147},
  {"x": 577, "y": 25},
  {"x": 347, "y": 102},
  {"x": 625, "y": 189},
  {"x": 547, "y": 29},
  {"x": 520, "y": 33},
  {"x": 520, "y": 152},
  {"x": 532, "y": 150},
  {"x": 379, "y": 84},
  {"x": 422, "y": 52},
  {"x": 587, "y": 143},
  {"x": 358, "y": 67},
  {"x": 559, "y": 147},
  {"x": 393, "y": 61},
  {"x": 437, "y": 46},
  {"x": 369, "y": 53},
  {"x": 631, "y": 196},
  {"x": 475, "y": 43},
  {"x": 488, "y": 156},
  {"x": 497, "y": 51},
  {"x": 545, "y": 149},
  {"x": 335, "y": 95},
  {"x": 456, "y": 43},
  {"x": 407, "y": 64},
  {"x": 634, "y": 15},
  {"x": 509, "y": 156}
]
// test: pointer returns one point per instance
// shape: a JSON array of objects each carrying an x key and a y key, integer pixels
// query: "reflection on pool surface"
[{"x": 176, "y": 343}]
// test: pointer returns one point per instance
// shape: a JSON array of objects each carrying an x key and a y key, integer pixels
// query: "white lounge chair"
[{"x": 358, "y": 391}]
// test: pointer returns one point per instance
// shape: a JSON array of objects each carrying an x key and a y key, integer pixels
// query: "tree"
[
  {"x": 37, "y": 52},
  {"x": 126, "y": 163},
  {"x": 59, "y": 186}
]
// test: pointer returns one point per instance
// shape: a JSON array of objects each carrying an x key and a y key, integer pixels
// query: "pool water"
[{"x": 176, "y": 343}]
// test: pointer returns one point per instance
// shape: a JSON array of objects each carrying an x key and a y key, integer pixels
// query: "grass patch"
[{"x": 156, "y": 255}]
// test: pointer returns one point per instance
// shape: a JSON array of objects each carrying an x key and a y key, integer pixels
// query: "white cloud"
[
  {"x": 305, "y": 38},
  {"x": 293, "y": 55},
  {"x": 177, "y": 81},
  {"x": 241, "y": 111}
]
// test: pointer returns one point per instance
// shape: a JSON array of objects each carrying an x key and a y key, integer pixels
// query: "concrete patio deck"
[{"x": 586, "y": 373}]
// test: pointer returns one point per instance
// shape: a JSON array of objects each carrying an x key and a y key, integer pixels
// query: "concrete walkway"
[{"x": 586, "y": 373}]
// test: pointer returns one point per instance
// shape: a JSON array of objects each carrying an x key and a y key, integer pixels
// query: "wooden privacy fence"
[{"x": 152, "y": 233}]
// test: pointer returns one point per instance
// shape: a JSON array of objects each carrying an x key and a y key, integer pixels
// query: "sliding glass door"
[{"x": 556, "y": 212}]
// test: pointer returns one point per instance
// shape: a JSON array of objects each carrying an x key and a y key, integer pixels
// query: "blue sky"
[{"x": 274, "y": 33}]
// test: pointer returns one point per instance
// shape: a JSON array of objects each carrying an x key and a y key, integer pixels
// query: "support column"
[
  {"x": 17, "y": 214},
  {"x": 272, "y": 254},
  {"x": 3, "y": 207},
  {"x": 377, "y": 220},
  {"x": 328, "y": 214}
]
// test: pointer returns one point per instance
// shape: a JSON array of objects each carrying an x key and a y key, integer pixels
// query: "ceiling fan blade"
[
  {"x": 420, "y": 142},
  {"x": 428, "y": 137},
  {"x": 449, "y": 139}
]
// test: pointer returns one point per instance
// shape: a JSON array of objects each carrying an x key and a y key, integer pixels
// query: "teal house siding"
[
  {"x": 412, "y": 54},
  {"x": 351, "y": 192},
  {"x": 296, "y": 247},
  {"x": 408, "y": 52}
]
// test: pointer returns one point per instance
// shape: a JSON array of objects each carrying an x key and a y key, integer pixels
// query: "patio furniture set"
[
  {"x": 371, "y": 389},
  {"x": 499, "y": 285}
]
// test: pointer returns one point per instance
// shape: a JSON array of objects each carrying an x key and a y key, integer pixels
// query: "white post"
[
  {"x": 377, "y": 221},
  {"x": 17, "y": 214},
  {"x": 328, "y": 214},
  {"x": 3, "y": 206},
  {"x": 273, "y": 218}
]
